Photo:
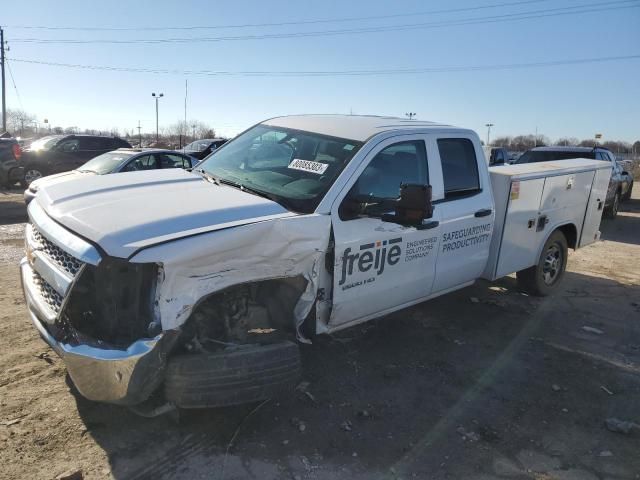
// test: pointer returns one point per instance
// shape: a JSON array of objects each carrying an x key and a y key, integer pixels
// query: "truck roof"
[{"x": 353, "y": 127}]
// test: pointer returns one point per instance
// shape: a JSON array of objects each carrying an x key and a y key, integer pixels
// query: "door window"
[
  {"x": 146, "y": 162},
  {"x": 379, "y": 184},
  {"x": 459, "y": 167},
  {"x": 173, "y": 161},
  {"x": 71, "y": 145}
]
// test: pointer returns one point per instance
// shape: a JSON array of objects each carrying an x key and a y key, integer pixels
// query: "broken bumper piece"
[{"x": 101, "y": 372}]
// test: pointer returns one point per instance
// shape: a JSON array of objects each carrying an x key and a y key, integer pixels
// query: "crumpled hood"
[{"x": 129, "y": 211}]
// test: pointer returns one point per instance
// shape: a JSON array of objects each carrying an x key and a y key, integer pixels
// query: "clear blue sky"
[{"x": 573, "y": 100}]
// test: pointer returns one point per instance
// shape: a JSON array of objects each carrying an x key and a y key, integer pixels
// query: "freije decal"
[{"x": 373, "y": 257}]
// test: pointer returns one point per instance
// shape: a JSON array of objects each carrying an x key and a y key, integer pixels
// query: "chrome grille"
[
  {"x": 61, "y": 258},
  {"x": 48, "y": 294}
]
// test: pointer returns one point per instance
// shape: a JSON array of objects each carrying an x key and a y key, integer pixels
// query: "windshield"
[
  {"x": 296, "y": 168},
  {"x": 45, "y": 143},
  {"x": 198, "y": 145},
  {"x": 549, "y": 155},
  {"x": 105, "y": 163}
]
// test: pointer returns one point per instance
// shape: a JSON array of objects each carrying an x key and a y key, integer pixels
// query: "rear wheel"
[
  {"x": 31, "y": 175},
  {"x": 542, "y": 278},
  {"x": 247, "y": 374},
  {"x": 627, "y": 194}
]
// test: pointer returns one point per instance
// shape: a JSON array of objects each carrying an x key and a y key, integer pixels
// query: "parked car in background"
[
  {"x": 11, "y": 171},
  {"x": 61, "y": 153},
  {"x": 619, "y": 184},
  {"x": 121, "y": 160},
  {"x": 496, "y": 155},
  {"x": 201, "y": 148}
]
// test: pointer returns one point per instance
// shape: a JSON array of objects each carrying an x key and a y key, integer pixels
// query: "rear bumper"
[{"x": 101, "y": 372}]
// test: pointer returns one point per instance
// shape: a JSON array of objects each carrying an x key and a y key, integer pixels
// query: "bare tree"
[
  {"x": 567, "y": 141},
  {"x": 20, "y": 122}
]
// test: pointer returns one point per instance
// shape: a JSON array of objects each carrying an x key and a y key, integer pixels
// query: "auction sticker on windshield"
[{"x": 308, "y": 166}]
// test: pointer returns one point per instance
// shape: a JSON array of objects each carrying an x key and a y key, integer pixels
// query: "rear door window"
[
  {"x": 168, "y": 160},
  {"x": 92, "y": 145},
  {"x": 459, "y": 167}
]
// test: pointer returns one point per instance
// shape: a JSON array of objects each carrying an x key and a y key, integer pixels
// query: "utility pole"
[
  {"x": 411, "y": 115},
  {"x": 186, "y": 91},
  {"x": 139, "y": 134},
  {"x": 488, "y": 125},
  {"x": 535, "y": 140},
  {"x": 4, "y": 98},
  {"x": 157, "y": 97}
]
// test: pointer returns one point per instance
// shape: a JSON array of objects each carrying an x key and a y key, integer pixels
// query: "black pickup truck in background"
[{"x": 11, "y": 172}]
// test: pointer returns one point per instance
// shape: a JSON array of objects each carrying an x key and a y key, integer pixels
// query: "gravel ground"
[{"x": 483, "y": 383}]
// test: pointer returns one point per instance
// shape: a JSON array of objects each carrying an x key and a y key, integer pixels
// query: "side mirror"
[
  {"x": 624, "y": 172},
  {"x": 413, "y": 207}
]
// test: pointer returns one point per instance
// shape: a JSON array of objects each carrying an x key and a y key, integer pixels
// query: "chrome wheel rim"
[
  {"x": 552, "y": 265},
  {"x": 32, "y": 175}
]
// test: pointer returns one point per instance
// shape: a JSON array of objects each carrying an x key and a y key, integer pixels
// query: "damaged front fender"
[{"x": 196, "y": 267}]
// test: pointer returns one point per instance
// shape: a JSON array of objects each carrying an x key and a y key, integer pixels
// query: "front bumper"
[
  {"x": 102, "y": 373},
  {"x": 28, "y": 196}
]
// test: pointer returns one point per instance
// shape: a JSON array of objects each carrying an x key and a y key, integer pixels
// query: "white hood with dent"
[{"x": 129, "y": 211}]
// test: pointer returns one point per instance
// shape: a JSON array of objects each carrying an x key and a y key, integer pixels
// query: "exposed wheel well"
[
  {"x": 234, "y": 314},
  {"x": 570, "y": 233}
]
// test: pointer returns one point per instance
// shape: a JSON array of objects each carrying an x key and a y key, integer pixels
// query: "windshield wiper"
[{"x": 207, "y": 176}]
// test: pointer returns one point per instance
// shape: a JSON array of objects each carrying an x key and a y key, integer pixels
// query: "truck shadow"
[
  {"x": 625, "y": 227},
  {"x": 411, "y": 392}
]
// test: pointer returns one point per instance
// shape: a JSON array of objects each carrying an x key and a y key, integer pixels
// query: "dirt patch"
[{"x": 501, "y": 386}]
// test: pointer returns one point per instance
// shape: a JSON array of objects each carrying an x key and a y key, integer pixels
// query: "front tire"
[
  {"x": 248, "y": 374},
  {"x": 541, "y": 279},
  {"x": 612, "y": 211}
]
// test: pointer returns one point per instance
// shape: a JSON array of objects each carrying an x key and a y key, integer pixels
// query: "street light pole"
[
  {"x": 157, "y": 97},
  {"x": 488, "y": 125}
]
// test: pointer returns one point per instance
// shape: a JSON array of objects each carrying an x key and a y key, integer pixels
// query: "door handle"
[
  {"x": 483, "y": 213},
  {"x": 428, "y": 225}
]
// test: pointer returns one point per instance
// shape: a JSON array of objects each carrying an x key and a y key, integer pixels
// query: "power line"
[
  {"x": 14, "y": 83},
  {"x": 409, "y": 71},
  {"x": 601, "y": 6},
  {"x": 280, "y": 24}
]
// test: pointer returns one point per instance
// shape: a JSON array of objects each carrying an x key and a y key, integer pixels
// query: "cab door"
[
  {"x": 466, "y": 212},
  {"x": 379, "y": 266}
]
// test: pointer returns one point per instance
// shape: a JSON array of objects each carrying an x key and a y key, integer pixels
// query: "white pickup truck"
[{"x": 198, "y": 286}]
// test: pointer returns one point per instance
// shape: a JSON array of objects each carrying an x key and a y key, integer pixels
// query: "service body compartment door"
[
  {"x": 519, "y": 243},
  {"x": 591, "y": 227},
  {"x": 567, "y": 192}
]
